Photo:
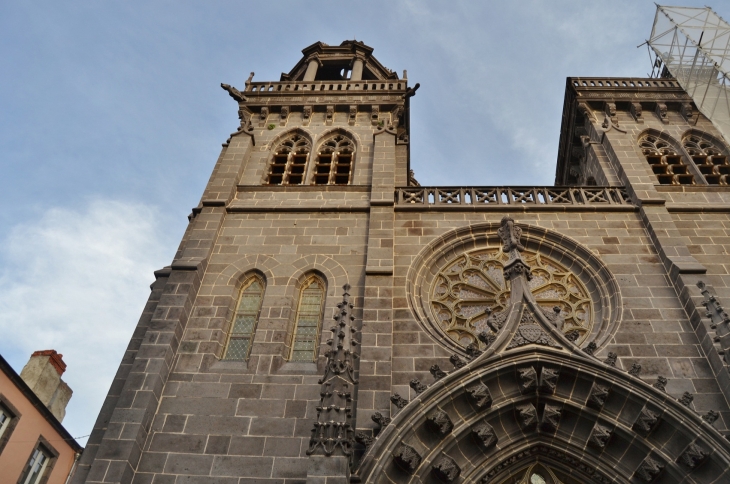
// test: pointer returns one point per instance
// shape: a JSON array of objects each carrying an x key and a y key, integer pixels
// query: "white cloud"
[{"x": 76, "y": 282}]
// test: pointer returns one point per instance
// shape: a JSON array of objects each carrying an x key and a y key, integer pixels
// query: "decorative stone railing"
[
  {"x": 627, "y": 82},
  {"x": 322, "y": 86},
  {"x": 481, "y": 196}
]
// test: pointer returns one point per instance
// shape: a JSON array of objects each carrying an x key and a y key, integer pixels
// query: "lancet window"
[
  {"x": 289, "y": 162},
  {"x": 709, "y": 158},
  {"x": 245, "y": 319},
  {"x": 308, "y": 320},
  {"x": 665, "y": 162},
  {"x": 334, "y": 161}
]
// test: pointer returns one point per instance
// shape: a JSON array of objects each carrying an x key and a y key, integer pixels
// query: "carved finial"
[
  {"x": 661, "y": 383},
  {"x": 398, "y": 401},
  {"x": 572, "y": 336},
  {"x": 380, "y": 419},
  {"x": 590, "y": 348},
  {"x": 417, "y": 386},
  {"x": 472, "y": 350},
  {"x": 710, "y": 417},
  {"x": 437, "y": 372},
  {"x": 611, "y": 359},
  {"x": 332, "y": 432},
  {"x": 510, "y": 235},
  {"x": 457, "y": 362},
  {"x": 686, "y": 399},
  {"x": 635, "y": 369}
]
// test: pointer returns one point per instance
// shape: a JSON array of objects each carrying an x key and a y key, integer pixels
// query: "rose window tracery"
[{"x": 470, "y": 295}]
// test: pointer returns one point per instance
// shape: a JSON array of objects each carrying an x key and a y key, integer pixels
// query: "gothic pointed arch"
[
  {"x": 245, "y": 317},
  {"x": 289, "y": 158},
  {"x": 533, "y": 402},
  {"x": 335, "y": 158},
  {"x": 709, "y": 154},
  {"x": 304, "y": 338},
  {"x": 667, "y": 159}
]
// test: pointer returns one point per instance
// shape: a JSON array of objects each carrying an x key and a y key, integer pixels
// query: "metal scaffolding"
[{"x": 693, "y": 45}]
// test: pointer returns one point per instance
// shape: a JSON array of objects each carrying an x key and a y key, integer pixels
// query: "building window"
[
  {"x": 334, "y": 161},
  {"x": 308, "y": 320},
  {"x": 9, "y": 417},
  {"x": 709, "y": 158},
  {"x": 665, "y": 162},
  {"x": 5, "y": 418},
  {"x": 289, "y": 163},
  {"x": 38, "y": 466},
  {"x": 245, "y": 319}
]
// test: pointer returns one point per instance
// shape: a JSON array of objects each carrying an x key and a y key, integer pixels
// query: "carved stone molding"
[
  {"x": 600, "y": 435},
  {"x": 417, "y": 386},
  {"x": 284, "y": 115},
  {"x": 636, "y": 112},
  {"x": 457, "y": 361},
  {"x": 439, "y": 422},
  {"x": 306, "y": 115},
  {"x": 484, "y": 434},
  {"x": 407, "y": 458},
  {"x": 329, "y": 115},
  {"x": 598, "y": 395},
  {"x": 437, "y": 372},
  {"x": 479, "y": 395},
  {"x": 527, "y": 416},
  {"x": 352, "y": 116},
  {"x": 528, "y": 379},
  {"x": 649, "y": 470},
  {"x": 660, "y": 383},
  {"x": 550, "y": 418},
  {"x": 445, "y": 468},
  {"x": 687, "y": 112},
  {"x": 364, "y": 439},
  {"x": 380, "y": 419},
  {"x": 661, "y": 112},
  {"x": 398, "y": 401},
  {"x": 374, "y": 115},
  {"x": 646, "y": 421},
  {"x": 548, "y": 380},
  {"x": 263, "y": 116},
  {"x": 693, "y": 456}
]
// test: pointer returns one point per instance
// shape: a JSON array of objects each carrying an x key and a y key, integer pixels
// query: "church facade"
[{"x": 326, "y": 319}]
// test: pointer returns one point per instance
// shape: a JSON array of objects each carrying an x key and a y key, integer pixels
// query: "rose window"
[{"x": 471, "y": 288}]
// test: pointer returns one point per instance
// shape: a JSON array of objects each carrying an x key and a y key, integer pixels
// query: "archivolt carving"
[{"x": 576, "y": 445}]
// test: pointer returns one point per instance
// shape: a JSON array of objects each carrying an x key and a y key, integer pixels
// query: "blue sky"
[{"x": 112, "y": 117}]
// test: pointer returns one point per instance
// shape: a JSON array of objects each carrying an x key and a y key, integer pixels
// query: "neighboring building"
[
  {"x": 34, "y": 446},
  {"x": 566, "y": 334}
]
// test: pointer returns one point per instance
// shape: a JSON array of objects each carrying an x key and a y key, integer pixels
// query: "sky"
[{"x": 112, "y": 118}]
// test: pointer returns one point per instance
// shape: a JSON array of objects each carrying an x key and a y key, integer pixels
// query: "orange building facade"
[{"x": 34, "y": 447}]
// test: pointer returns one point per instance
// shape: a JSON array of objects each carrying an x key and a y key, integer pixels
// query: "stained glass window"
[
  {"x": 245, "y": 319},
  {"x": 309, "y": 317}
]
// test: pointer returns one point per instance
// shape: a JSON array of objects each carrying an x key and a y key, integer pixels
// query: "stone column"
[
  {"x": 311, "y": 69},
  {"x": 357, "y": 66}
]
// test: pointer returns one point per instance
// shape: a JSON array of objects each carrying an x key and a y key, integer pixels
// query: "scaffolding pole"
[{"x": 694, "y": 46}]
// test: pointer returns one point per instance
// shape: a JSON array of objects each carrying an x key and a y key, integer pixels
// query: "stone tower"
[{"x": 328, "y": 320}]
